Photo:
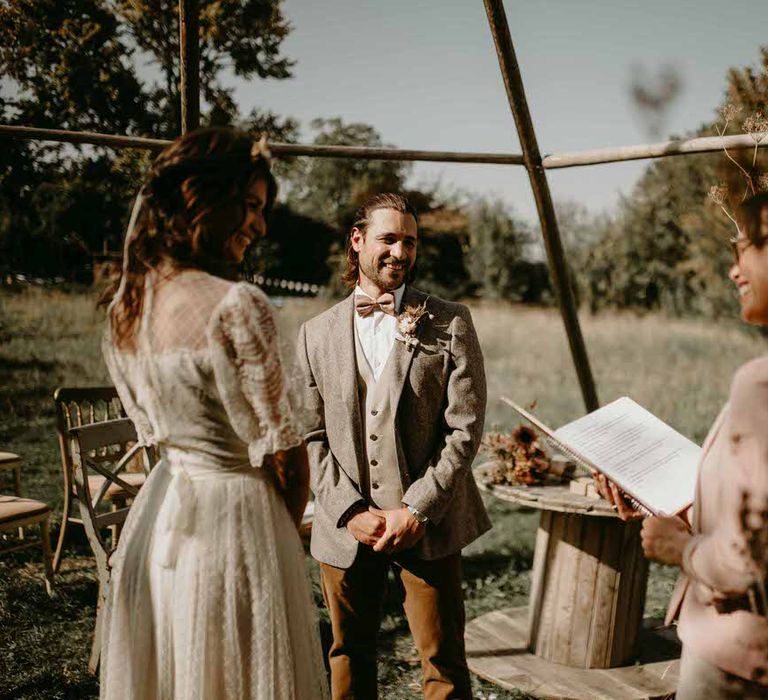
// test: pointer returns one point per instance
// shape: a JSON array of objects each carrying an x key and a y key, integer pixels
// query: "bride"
[{"x": 209, "y": 598}]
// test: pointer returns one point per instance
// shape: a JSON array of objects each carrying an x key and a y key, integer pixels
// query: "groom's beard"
[
  {"x": 375, "y": 271},
  {"x": 411, "y": 274}
]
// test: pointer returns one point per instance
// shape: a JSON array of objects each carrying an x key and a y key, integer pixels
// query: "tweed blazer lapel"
[
  {"x": 683, "y": 582},
  {"x": 402, "y": 357},
  {"x": 341, "y": 355}
]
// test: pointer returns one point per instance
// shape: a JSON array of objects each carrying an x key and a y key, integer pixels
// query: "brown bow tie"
[{"x": 366, "y": 306}]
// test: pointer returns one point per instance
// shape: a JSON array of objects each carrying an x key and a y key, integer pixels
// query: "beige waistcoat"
[{"x": 382, "y": 484}]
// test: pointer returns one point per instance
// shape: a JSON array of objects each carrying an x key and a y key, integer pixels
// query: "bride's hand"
[
  {"x": 289, "y": 470},
  {"x": 613, "y": 494}
]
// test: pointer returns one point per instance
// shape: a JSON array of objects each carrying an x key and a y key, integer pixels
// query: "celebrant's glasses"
[{"x": 739, "y": 245}]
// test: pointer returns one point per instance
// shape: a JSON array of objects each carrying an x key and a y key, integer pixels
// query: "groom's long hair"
[{"x": 385, "y": 200}]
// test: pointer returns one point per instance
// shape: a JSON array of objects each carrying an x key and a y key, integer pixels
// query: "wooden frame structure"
[{"x": 531, "y": 157}]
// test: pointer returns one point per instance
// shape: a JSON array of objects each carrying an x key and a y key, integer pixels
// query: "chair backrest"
[
  {"x": 78, "y": 406},
  {"x": 99, "y": 449}
]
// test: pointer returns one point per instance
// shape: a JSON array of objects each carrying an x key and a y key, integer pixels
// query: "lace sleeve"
[
  {"x": 115, "y": 362},
  {"x": 249, "y": 375}
]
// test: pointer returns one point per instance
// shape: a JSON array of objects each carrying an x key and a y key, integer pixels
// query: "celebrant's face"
[
  {"x": 253, "y": 225},
  {"x": 386, "y": 249},
  {"x": 750, "y": 274}
]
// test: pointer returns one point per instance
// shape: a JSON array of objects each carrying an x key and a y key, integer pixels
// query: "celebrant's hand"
[
  {"x": 664, "y": 539},
  {"x": 366, "y": 527},
  {"x": 614, "y": 495},
  {"x": 402, "y": 531}
]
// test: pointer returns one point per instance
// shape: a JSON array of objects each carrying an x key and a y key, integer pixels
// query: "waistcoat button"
[
  {"x": 374, "y": 437},
  {"x": 374, "y": 463}
]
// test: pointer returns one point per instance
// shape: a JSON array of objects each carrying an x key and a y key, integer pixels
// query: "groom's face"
[{"x": 386, "y": 248}]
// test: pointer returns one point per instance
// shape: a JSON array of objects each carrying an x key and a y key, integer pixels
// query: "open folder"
[{"x": 653, "y": 464}]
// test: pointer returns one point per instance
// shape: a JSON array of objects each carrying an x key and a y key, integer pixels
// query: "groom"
[{"x": 394, "y": 399}]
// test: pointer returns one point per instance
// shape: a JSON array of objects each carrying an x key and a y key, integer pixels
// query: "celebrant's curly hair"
[
  {"x": 193, "y": 201},
  {"x": 385, "y": 200},
  {"x": 752, "y": 219}
]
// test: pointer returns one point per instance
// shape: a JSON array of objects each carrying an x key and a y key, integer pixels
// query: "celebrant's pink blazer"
[{"x": 717, "y": 598}]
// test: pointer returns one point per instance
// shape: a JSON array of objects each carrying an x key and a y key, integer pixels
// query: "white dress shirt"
[{"x": 376, "y": 332}]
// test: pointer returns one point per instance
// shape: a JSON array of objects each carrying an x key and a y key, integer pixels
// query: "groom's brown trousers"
[{"x": 433, "y": 604}]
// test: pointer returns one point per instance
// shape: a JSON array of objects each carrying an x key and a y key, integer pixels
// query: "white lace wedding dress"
[{"x": 209, "y": 598}]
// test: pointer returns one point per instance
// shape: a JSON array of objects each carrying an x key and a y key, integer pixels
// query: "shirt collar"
[{"x": 397, "y": 292}]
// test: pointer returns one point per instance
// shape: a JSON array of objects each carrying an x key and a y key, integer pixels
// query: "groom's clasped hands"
[{"x": 387, "y": 531}]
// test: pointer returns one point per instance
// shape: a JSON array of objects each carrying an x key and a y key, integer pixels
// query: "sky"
[{"x": 424, "y": 73}]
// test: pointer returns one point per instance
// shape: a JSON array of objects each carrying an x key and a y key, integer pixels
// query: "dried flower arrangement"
[
  {"x": 518, "y": 458},
  {"x": 756, "y": 125}
]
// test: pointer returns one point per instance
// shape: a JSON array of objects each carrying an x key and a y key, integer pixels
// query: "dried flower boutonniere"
[{"x": 408, "y": 322}]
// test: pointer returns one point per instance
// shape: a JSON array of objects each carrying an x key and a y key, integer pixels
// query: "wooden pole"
[
  {"x": 556, "y": 160},
  {"x": 510, "y": 71},
  {"x": 277, "y": 149},
  {"x": 369, "y": 153},
  {"x": 682, "y": 147},
  {"x": 189, "y": 64},
  {"x": 31, "y": 133}
]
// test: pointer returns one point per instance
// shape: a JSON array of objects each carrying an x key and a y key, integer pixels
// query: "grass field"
[{"x": 680, "y": 370}]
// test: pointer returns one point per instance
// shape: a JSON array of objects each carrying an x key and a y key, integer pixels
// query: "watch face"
[{"x": 419, "y": 516}]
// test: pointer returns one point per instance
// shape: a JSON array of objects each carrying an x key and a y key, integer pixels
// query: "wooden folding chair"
[
  {"x": 99, "y": 449},
  {"x": 10, "y": 461},
  {"x": 17, "y": 513},
  {"x": 75, "y": 407}
]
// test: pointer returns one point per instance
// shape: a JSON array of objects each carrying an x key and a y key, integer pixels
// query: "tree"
[
  {"x": 276, "y": 255},
  {"x": 71, "y": 67},
  {"x": 74, "y": 65},
  {"x": 331, "y": 189},
  {"x": 641, "y": 257},
  {"x": 443, "y": 241},
  {"x": 496, "y": 260},
  {"x": 666, "y": 248},
  {"x": 242, "y": 36}
]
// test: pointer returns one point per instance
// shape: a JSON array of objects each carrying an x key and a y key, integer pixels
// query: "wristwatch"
[{"x": 420, "y": 517}]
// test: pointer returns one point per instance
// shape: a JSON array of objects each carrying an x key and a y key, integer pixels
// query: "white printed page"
[{"x": 643, "y": 455}]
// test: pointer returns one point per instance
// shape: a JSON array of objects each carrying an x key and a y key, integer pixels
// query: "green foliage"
[
  {"x": 243, "y": 37},
  {"x": 497, "y": 256},
  {"x": 71, "y": 66},
  {"x": 440, "y": 264},
  {"x": 666, "y": 248},
  {"x": 74, "y": 65},
  {"x": 748, "y": 87},
  {"x": 295, "y": 249},
  {"x": 331, "y": 189}
]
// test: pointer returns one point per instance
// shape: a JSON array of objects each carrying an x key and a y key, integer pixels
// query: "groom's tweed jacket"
[{"x": 438, "y": 389}]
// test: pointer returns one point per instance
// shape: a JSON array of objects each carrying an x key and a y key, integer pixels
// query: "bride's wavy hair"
[{"x": 193, "y": 202}]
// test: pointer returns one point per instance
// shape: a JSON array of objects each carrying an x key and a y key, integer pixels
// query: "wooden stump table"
[{"x": 582, "y": 635}]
